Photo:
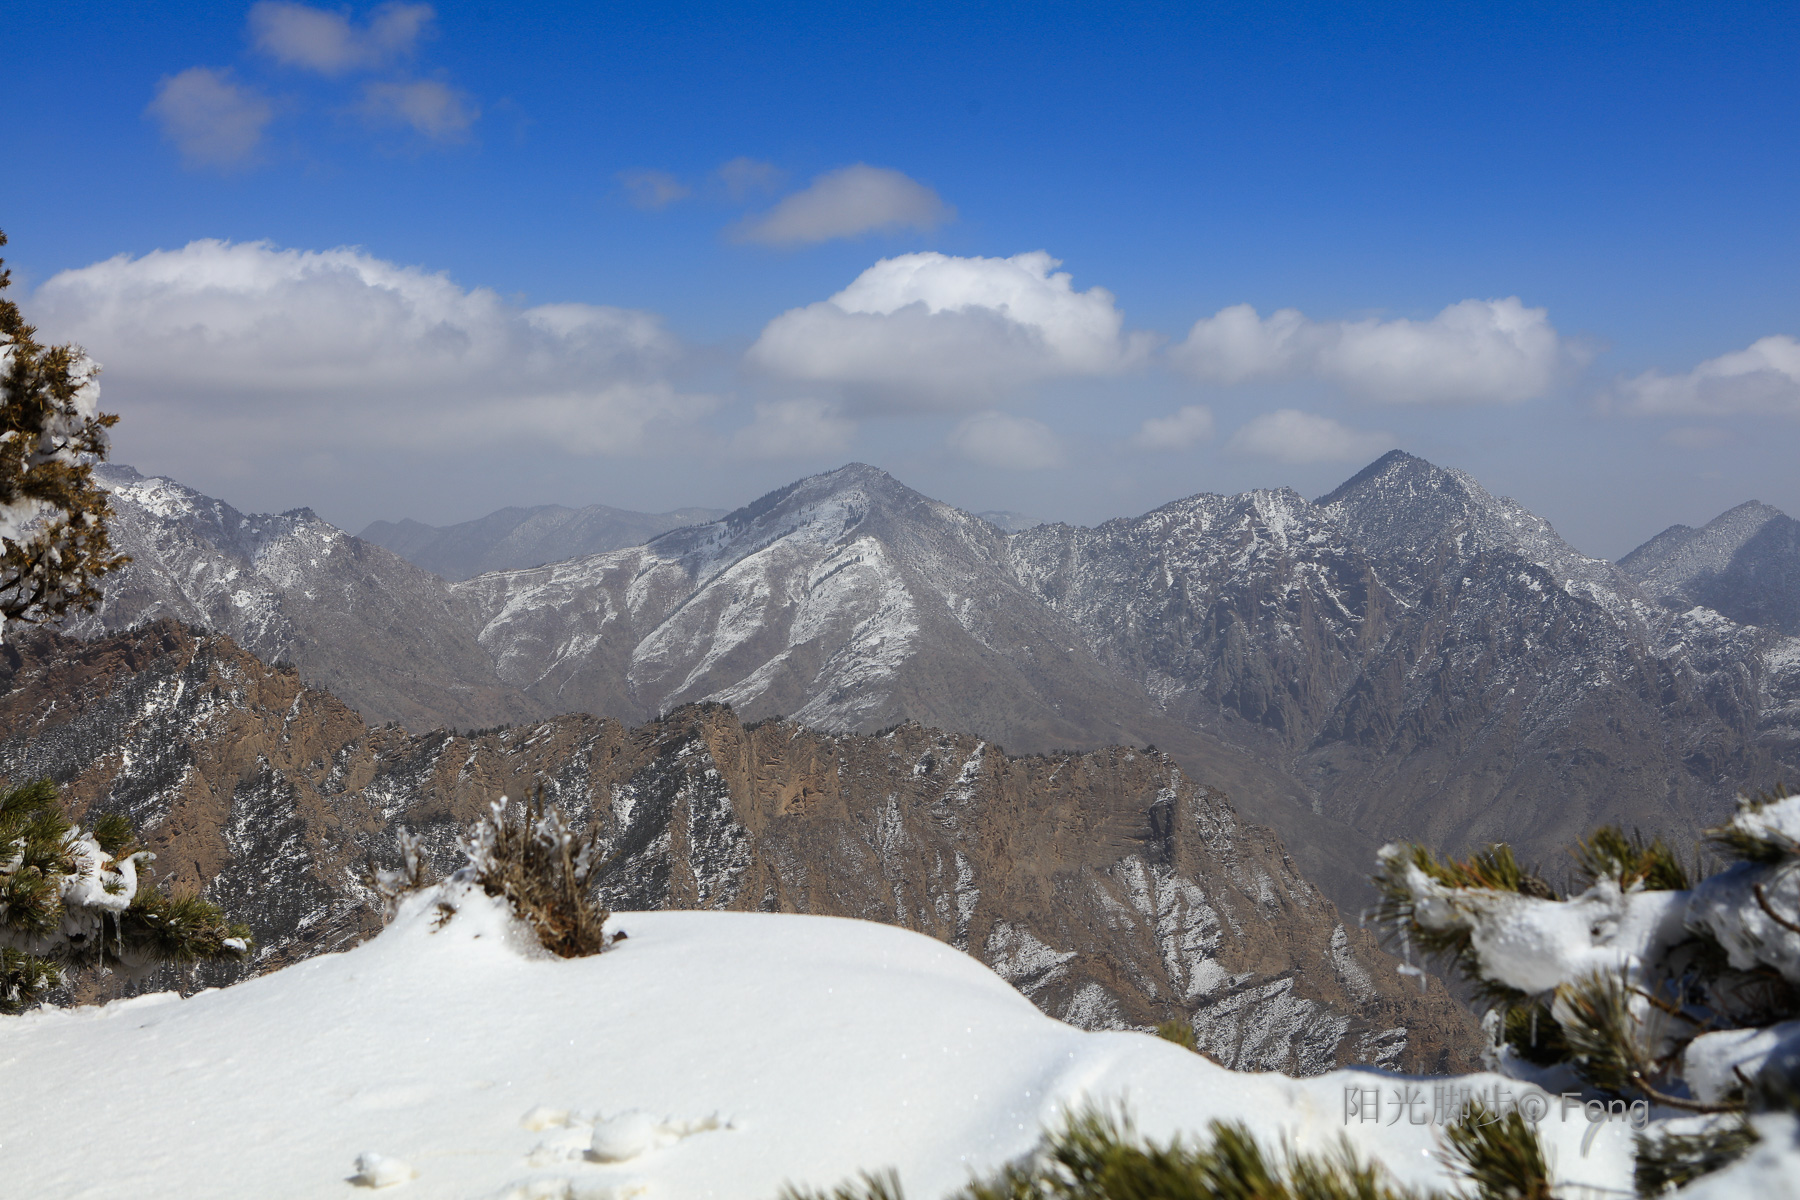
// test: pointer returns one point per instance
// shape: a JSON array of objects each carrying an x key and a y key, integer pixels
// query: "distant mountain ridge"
[
  {"x": 1743, "y": 564},
  {"x": 387, "y": 637},
  {"x": 1409, "y": 656},
  {"x": 525, "y": 537}
]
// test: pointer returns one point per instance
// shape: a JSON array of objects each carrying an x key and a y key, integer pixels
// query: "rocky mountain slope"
[
  {"x": 1107, "y": 886},
  {"x": 393, "y": 641},
  {"x": 1429, "y": 661},
  {"x": 525, "y": 537},
  {"x": 1409, "y": 656},
  {"x": 1743, "y": 564}
]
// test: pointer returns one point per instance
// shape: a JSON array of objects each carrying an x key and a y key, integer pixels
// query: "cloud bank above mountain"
[
  {"x": 263, "y": 363},
  {"x": 933, "y": 330},
  {"x": 319, "y": 347},
  {"x": 1762, "y": 378},
  {"x": 1473, "y": 352}
]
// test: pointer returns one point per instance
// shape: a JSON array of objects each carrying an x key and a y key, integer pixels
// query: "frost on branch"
[
  {"x": 53, "y": 541},
  {"x": 1645, "y": 983},
  {"x": 74, "y": 898},
  {"x": 412, "y": 875}
]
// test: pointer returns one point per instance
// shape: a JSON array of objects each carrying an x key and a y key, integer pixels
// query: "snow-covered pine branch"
[
  {"x": 1647, "y": 983},
  {"x": 73, "y": 897}
]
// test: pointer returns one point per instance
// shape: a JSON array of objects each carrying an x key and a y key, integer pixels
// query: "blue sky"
[{"x": 1627, "y": 172}]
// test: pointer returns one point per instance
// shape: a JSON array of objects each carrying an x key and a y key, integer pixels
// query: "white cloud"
[
  {"x": 252, "y": 347},
  {"x": 1191, "y": 424},
  {"x": 1762, "y": 378},
  {"x": 212, "y": 120},
  {"x": 794, "y": 429},
  {"x": 743, "y": 176},
  {"x": 1290, "y": 436},
  {"x": 1474, "y": 352},
  {"x": 997, "y": 439},
  {"x": 651, "y": 190},
  {"x": 431, "y": 108},
  {"x": 320, "y": 40},
  {"x": 933, "y": 329},
  {"x": 845, "y": 203}
]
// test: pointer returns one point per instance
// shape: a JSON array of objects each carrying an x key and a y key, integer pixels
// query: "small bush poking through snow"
[
  {"x": 1180, "y": 1032},
  {"x": 540, "y": 866}
]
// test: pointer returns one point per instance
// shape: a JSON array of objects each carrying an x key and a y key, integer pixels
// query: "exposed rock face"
[
  {"x": 1107, "y": 886},
  {"x": 1408, "y": 657},
  {"x": 525, "y": 537}
]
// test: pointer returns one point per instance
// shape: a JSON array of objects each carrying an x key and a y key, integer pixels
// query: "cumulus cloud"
[
  {"x": 1474, "y": 352},
  {"x": 255, "y": 346},
  {"x": 651, "y": 190},
  {"x": 844, "y": 203},
  {"x": 744, "y": 176},
  {"x": 997, "y": 439},
  {"x": 1290, "y": 436},
  {"x": 1191, "y": 424},
  {"x": 433, "y": 109},
  {"x": 320, "y": 40},
  {"x": 794, "y": 429},
  {"x": 1762, "y": 378},
  {"x": 937, "y": 330},
  {"x": 213, "y": 120}
]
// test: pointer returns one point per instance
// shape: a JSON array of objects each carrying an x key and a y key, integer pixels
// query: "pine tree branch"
[{"x": 1762, "y": 900}]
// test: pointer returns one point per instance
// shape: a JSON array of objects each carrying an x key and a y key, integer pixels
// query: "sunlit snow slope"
[{"x": 758, "y": 1048}]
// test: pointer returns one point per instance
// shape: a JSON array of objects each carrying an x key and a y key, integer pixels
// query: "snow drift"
[{"x": 708, "y": 1054}]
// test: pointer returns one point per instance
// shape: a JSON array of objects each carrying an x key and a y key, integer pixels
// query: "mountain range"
[{"x": 1408, "y": 656}]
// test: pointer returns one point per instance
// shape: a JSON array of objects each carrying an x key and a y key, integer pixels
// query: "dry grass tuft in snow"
[{"x": 540, "y": 867}]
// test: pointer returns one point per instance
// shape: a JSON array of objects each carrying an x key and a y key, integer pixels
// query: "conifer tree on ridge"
[{"x": 53, "y": 541}]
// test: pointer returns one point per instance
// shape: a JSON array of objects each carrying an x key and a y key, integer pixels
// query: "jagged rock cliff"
[{"x": 1107, "y": 886}]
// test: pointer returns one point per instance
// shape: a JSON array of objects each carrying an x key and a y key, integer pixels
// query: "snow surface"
[
  {"x": 709, "y": 1054},
  {"x": 1768, "y": 1172}
]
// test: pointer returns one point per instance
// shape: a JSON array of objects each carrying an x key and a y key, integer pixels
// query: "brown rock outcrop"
[{"x": 1107, "y": 886}]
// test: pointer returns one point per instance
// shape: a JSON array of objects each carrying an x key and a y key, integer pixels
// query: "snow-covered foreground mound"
[{"x": 709, "y": 1054}]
